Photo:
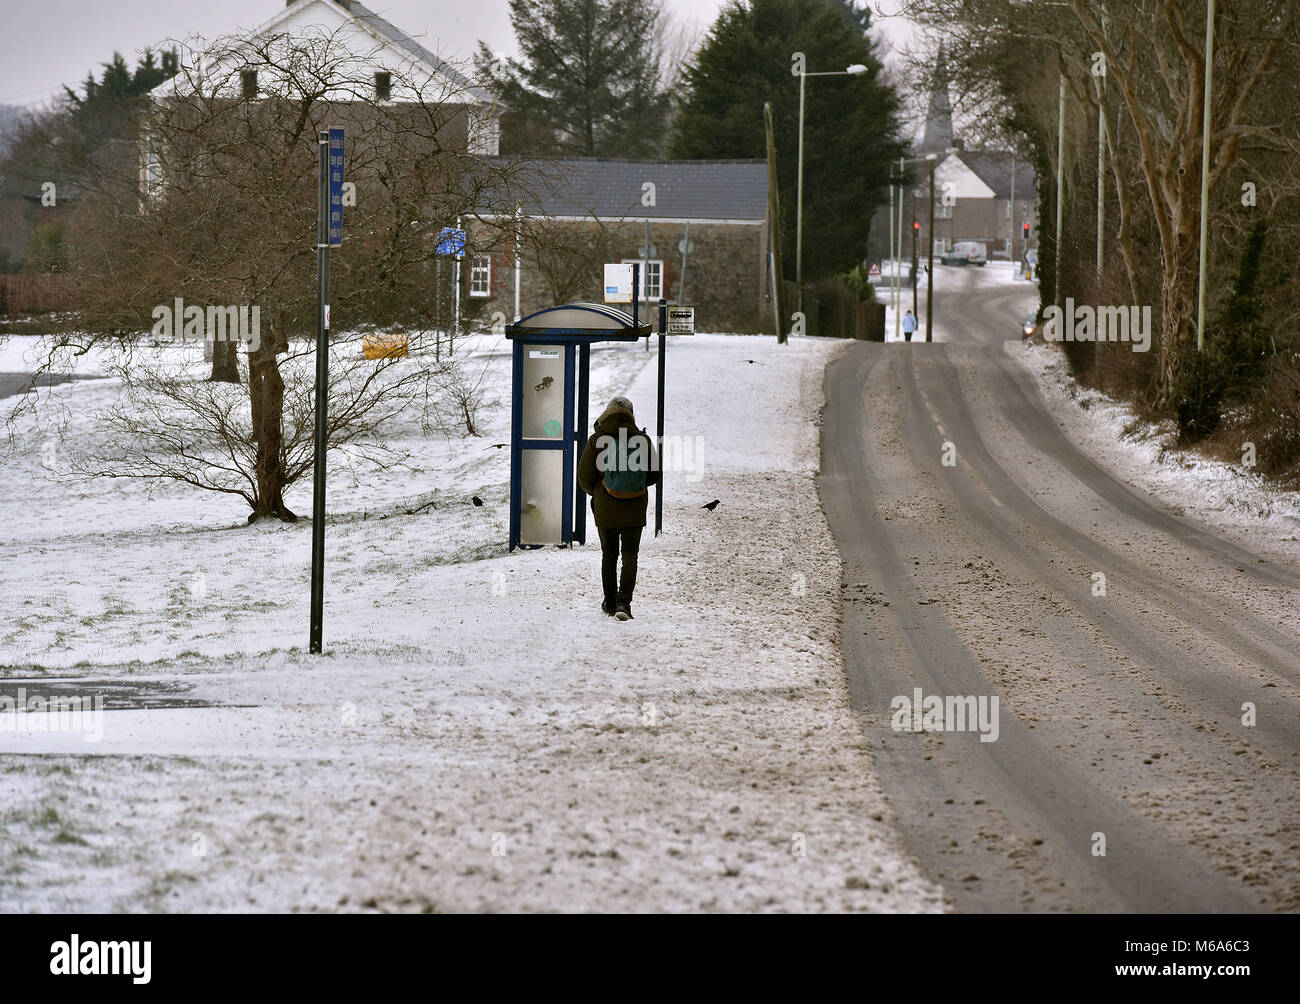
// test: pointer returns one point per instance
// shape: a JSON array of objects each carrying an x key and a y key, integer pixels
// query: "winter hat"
[{"x": 617, "y": 405}]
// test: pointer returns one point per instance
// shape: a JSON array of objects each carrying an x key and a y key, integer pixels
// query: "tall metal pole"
[
  {"x": 681, "y": 281},
  {"x": 659, "y": 419},
  {"x": 898, "y": 298},
  {"x": 798, "y": 226},
  {"x": 455, "y": 315},
  {"x": 1060, "y": 167},
  {"x": 1205, "y": 172},
  {"x": 929, "y": 262},
  {"x": 1101, "y": 173},
  {"x": 916, "y": 310},
  {"x": 322, "y": 394},
  {"x": 891, "y": 234},
  {"x": 518, "y": 216},
  {"x": 645, "y": 273}
]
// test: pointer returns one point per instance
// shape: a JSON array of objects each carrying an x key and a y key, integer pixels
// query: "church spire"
[{"x": 936, "y": 134}]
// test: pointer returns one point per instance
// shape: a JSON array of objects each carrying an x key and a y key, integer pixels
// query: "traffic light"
[
  {"x": 1024, "y": 230},
  {"x": 916, "y": 227}
]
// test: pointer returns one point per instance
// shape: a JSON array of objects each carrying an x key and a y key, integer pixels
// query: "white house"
[{"x": 396, "y": 66}]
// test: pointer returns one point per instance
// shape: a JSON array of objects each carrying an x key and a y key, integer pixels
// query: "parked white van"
[{"x": 966, "y": 253}]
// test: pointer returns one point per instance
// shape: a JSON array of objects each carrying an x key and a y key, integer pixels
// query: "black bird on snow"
[
  {"x": 496, "y": 446},
  {"x": 749, "y": 360},
  {"x": 476, "y": 500},
  {"x": 712, "y": 505}
]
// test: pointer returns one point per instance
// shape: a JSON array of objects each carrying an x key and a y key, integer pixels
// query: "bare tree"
[
  {"x": 218, "y": 209},
  {"x": 1152, "y": 55}
]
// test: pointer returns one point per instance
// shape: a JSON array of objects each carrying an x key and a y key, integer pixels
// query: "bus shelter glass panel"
[
  {"x": 543, "y": 392},
  {"x": 541, "y": 517}
]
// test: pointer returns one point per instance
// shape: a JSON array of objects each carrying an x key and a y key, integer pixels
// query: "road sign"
[
  {"x": 685, "y": 246},
  {"x": 873, "y": 273},
  {"x": 618, "y": 284},
  {"x": 681, "y": 321},
  {"x": 336, "y": 187},
  {"x": 451, "y": 241}
]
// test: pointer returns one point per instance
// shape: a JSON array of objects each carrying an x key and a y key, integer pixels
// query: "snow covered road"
[{"x": 1145, "y": 664}]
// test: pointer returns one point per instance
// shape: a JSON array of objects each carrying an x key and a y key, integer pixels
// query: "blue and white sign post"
[
  {"x": 329, "y": 233},
  {"x": 451, "y": 244}
]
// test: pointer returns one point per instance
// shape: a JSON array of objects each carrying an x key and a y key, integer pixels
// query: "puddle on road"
[{"x": 117, "y": 695}]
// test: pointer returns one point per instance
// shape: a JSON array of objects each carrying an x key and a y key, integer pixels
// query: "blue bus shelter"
[{"x": 548, "y": 417}]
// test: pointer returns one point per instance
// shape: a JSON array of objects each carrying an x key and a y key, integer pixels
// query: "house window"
[
  {"x": 383, "y": 85},
  {"x": 248, "y": 83},
  {"x": 480, "y": 276},
  {"x": 942, "y": 212},
  {"x": 652, "y": 277}
]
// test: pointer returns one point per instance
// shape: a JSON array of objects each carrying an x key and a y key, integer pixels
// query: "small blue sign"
[
  {"x": 451, "y": 241},
  {"x": 336, "y": 187}
]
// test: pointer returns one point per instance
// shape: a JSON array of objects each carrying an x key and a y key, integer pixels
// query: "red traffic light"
[
  {"x": 1025, "y": 228},
  {"x": 916, "y": 226}
]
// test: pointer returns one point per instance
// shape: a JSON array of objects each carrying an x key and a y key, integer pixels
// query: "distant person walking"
[
  {"x": 616, "y": 468},
  {"x": 909, "y": 325}
]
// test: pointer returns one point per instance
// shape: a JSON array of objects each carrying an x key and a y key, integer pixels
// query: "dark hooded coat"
[{"x": 610, "y": 512}]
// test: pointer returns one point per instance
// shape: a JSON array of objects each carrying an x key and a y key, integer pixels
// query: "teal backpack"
[{"x": 622, "y": 480}]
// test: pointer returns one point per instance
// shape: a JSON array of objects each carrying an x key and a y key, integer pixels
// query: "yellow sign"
[{"x": 384, "y": 345}]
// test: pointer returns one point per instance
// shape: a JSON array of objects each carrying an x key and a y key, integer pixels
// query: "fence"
[{"x": 31, "y": 294}]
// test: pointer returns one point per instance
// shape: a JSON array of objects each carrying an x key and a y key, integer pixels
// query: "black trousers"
[{"x": 628, "y": 538}]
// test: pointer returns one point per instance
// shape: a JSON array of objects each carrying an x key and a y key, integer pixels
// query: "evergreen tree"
[
  {"x": 850, "y": 122},
  {"x": 589, "y": 83}
]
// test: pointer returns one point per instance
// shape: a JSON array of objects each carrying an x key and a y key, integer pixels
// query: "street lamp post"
[
  {"x": 855, "y": 70},
  {"x": 1205, "y": 172},
  {"x": 929, "y": 258},
  {"x": 916, "y": 227}
]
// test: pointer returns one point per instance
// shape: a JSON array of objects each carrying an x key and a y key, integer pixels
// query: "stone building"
[{"x": 699, "y": 229}]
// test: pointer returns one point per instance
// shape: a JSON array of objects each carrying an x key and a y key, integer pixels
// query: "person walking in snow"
[
  {"x": 909, "y": 325},
  {"x": 616, "y": 468}
]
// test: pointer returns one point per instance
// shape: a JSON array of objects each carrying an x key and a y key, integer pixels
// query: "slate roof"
[
  {"x": 994, "y": 169},
  {"x": 404, "y": 41},
  {"x": 684, "y": 189}
]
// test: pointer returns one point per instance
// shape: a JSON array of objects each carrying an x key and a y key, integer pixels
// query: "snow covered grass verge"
[
  {"x": 477, "y": 736},
  {"x": 1227, "y": 496}
]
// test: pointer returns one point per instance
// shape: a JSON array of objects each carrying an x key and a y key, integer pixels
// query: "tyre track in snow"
[{"x": 1089, "y": 686}]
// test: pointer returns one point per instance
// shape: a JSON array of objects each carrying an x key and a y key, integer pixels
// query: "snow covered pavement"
[{"x": 477, "y": 735}]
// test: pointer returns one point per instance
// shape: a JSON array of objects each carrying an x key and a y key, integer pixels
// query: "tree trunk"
[
  {"x": 225, "y": 362},
  {"x": 266, "y": 392},
  {"x": 1177, "y": 292}
]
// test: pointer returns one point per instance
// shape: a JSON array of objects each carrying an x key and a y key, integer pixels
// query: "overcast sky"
[{"x": 47, "y": 43}]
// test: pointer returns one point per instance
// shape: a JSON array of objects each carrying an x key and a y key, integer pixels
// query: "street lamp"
[
  {"x": 929, "y": 261},
  {"x": 1205, "y": 172},
  {"x": 857, "y": 69}
]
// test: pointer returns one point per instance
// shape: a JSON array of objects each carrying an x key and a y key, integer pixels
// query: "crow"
[
  {"x": 749, "y": 360},
  {"x": 496, "y": 446},
  {"x": 712, "y": 505},
  {"x": 476, "y": 500}
]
